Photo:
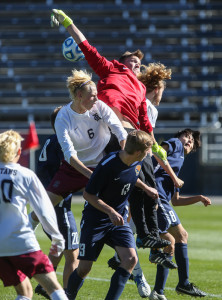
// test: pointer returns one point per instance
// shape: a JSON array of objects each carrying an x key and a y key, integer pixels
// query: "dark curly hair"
[{"x": 194, "y": 133}]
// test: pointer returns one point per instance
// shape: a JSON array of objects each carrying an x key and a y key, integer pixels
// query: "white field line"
[{"x": 128, "y": 282}]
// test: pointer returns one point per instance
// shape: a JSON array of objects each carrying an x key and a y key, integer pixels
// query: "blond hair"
[
  {"x": 10, "y": 142},
  {"x": 79, "y": 79},
  {"x": 153, "y": 75},
  {"x": 138, "y": 140}
]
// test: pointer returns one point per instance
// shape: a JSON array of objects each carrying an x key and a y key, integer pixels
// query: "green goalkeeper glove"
[
  {"x": 160, "y": 152},
  {"x": 59, "y": 17}
]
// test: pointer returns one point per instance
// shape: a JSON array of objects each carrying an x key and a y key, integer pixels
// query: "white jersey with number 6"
[
  {"x": 86, "y": 135},
  {"x": 19, "y": 186}
]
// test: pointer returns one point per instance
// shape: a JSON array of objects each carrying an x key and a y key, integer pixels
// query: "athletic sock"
[
  {"x": 117, "y": 284},
  {"x": 19, "y": 297},
  {"x": 182, "y": 260},
  {"x": 161, "y": 278},
  {"x": 58, "y": 295},
  {"x": 75, "y": 282}
]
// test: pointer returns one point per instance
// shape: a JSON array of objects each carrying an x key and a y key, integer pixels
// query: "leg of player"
[
  {"x": 71, "y": 263},
  {"x": 162, "y": 273},
  {"x": 143, "y": 287},
  {"x": 181, "y": 255},
  {"x": 77, "y": 277},
  {"x": 55, "y": 262},
  {"x": 128, "y": 260},
  {"x": 24, "y": 289},
  {"x": 50, "y": 283}
]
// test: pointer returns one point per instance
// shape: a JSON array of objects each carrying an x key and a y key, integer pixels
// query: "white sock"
[
  {"x": 58, "y": 295},
  {"x": 33, "y": 222},
  {"x": 19, "y": 297}
]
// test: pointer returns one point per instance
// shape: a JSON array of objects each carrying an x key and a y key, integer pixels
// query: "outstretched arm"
[
  {"x": 166, "y": 166},
  {"x": 98, "y": 63},
  {"x": 178, "y": 200},
  {"x": 59, "y": 17}
]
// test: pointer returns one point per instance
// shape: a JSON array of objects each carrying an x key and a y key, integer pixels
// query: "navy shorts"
[
  {"x": 167, "y": 216},
  {"x": 67, "y": 227},
  {"x": 67, "y": 224},
  {"x": 95, "y": 234}
]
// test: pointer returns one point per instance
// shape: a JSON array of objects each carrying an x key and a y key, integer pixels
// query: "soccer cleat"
[
  {"x": 40, "y": 291},
  {"x": 143, "y": 287},
  {"x": 190, "y": 289},
  {"x": 113, "y": 263},
  {"x": 155, "y": 296},
  {"x": 161, "y": 258},
  {"x": 151, "y": 242}
]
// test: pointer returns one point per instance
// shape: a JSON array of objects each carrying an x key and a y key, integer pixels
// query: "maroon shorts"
[
  {"x": 14, "y": 269},
  {"x": 67, "y": 180}
]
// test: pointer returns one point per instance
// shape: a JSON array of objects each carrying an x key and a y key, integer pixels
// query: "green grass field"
[{"x": 205, "y": 244}]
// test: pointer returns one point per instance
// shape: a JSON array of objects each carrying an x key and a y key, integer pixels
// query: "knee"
[
  {"x": 130, "y": 261},
  {"x": 83, "y": 271},
  {"x": 182, "y": 237}
]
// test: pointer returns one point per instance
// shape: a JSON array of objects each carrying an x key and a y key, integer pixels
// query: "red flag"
[{"x": 31, "y": 141}]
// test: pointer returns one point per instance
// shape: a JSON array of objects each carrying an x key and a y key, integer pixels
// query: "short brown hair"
[
  {"x": 138, "y": 140},
  {"x": 137, "y": 53},
  {"x": 194, "y": 133}
]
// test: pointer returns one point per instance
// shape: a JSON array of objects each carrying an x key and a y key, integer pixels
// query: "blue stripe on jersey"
[{"x": 108, "y": 159}]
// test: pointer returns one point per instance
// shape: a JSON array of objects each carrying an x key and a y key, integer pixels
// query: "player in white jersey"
[
  {"x": 83, "y": 130},
  {"x": 20, "y": 254}
]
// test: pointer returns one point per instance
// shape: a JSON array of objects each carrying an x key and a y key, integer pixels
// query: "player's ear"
[
  {"x": 19, "y": 151},
  {"x": 78, "y": 94},
  {"x": 156, "y": 90}
]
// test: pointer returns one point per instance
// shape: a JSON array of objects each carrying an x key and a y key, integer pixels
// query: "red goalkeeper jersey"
[{"x": 119, "y": 87}]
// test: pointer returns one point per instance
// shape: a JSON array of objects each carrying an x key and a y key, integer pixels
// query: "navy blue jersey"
[
  {"x": 49, "y": 160},
  {"x": 175, "y": 157},
  {"x": 112, "y": 181},
  {"x": 48, "y": 164}
]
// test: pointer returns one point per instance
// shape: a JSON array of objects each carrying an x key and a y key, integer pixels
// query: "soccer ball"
[{"x": 71, "y": 50}]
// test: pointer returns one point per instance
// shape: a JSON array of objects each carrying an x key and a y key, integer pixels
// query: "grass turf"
[{"x": 204, "y": 246}]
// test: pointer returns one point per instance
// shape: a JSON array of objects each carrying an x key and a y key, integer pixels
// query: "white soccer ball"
[{"x": 71, "y": 50}]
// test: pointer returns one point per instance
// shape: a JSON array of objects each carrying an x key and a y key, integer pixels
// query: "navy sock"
[
  {"x": 74, "y": 284},
  {"x": 161, "y": 278},
  {"x": 117, "y": 284},
  {"x": 182, "y": 260}
]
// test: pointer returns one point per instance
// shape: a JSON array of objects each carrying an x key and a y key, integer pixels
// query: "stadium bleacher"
[{"x": 184, "y": 35}]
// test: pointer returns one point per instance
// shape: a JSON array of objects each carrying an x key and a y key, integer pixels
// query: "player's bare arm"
[
  {"x": 80, "y": 167},
  {"x": 178, "y": 200},
  {"x": 151, "y": 192},
  {"x": 99, "y": 204}
]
